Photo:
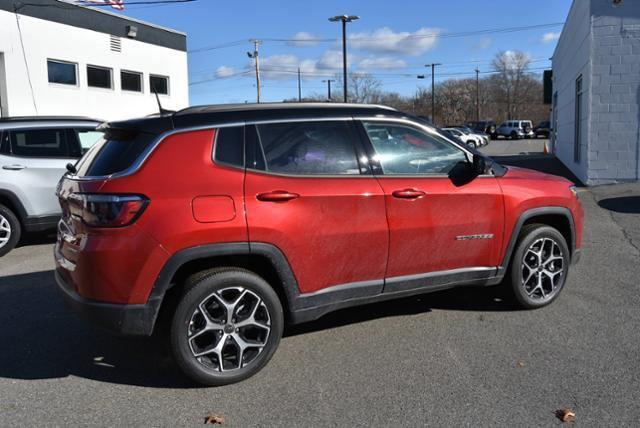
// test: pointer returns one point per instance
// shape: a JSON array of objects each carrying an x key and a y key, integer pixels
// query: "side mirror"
[{"x": 479, "y": 165}]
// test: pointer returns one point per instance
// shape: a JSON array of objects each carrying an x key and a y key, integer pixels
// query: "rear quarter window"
[{"x": 116, "y": 152}]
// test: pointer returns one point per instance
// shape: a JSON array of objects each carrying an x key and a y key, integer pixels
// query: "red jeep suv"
[{"x": 228, "y": 221}]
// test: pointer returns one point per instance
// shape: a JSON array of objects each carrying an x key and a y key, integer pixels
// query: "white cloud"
[
  {"x": 386, "y": 40},
  {"x": 483, "y": 43},
  {"x": 332, "y": 59},
  {"x": 384, "y": 62},
  {"x": 303, "y": 39},
  {"x": 224, "y": 71},
  {"x": 549, "y": 37}
]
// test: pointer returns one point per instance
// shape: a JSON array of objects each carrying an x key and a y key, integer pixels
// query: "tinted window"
[
  {"x": 87, "y": 138},
  {"x": 230, "y": 146},
  {"x": 98, "y": 77},
  {"x": 43, "y": 143},
  {"x": 130, "y": 81},
  {"x": 253, "y": 151},
  {"x": 309, "y": 148},
  {"x": 114, "y": 154},
  {"x": 4, "y": 143},
  {"x": 62, "y": 72},
  {"x": 159, "y": 84},
  {"x": 402, "y": 149}
]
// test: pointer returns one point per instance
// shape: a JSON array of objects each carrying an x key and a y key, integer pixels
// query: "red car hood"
[{"x": 514, "y": 172}]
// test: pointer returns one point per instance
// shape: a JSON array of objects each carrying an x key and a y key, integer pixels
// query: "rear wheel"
[
  {"x": 514, "y": 135},
  {"x": 10, "y": 230},
  {"x": 226, "y": 327},
  {"x": 539, "y": 266}
]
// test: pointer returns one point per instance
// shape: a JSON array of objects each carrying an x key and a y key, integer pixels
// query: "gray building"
[{"x": 596, "y": 81}]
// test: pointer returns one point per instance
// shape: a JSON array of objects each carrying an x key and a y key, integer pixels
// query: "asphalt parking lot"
[{"x": 461, "y": 357}]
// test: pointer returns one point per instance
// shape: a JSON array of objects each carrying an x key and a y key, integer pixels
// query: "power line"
[{"x": 440, "y": 35}]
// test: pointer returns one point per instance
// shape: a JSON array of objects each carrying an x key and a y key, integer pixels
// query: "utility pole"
[
  {"x": 328, "y": 82},
  {"x": 299, "y": 87},
  {"x": 477, "y": 95},
  {"x": 433, "y": 91},
  {"x": 344, "y": 19},
  {"x": 256, "y": 58}
]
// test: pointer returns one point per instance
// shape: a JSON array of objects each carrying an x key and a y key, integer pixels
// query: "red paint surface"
[{"x": 334, "y": 231}]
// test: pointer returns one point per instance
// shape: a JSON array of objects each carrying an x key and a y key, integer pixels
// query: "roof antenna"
[{"x": 162, "y": 111}]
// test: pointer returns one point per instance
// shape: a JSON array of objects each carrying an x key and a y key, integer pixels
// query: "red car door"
[
  {"x": 307, "y": 194},
  {"x": 440, "y": 231}
]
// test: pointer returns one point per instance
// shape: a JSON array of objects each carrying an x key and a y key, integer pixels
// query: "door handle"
[
  {"x": 14, "y": 167},
  {"x": 408, "y": 194},
  {"x": 277, "y": 196}
]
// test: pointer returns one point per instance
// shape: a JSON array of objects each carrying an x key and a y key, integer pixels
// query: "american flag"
[{"x": 116, "y": 4}]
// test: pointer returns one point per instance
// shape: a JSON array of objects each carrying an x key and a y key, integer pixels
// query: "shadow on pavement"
[
  {"x": 42, "y": 339},
  {"x": 543, "y": 163},
  {"x": 623, "y": 204},
  {"x": 37, "y": 238}
]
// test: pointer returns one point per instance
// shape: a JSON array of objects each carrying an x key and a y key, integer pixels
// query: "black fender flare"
[
  {"x": 17, "y": 205},
  {"x": 268, "y": 251},
  {"x": 528, "y": 214}
]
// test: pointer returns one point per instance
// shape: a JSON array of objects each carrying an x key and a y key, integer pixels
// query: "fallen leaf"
[
  {"x": 214, "y": 419},
  {"x": 565, "y": 415},
  {"x": 520, "y": 364}
]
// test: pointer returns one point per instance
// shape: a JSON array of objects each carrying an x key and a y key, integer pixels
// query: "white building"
[
  {"x": 58, "y": 58},
  {"x": 596, "y": 79}
]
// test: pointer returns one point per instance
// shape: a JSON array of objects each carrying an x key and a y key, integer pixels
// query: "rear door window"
[
  {"x": 309, "y": 148},
  {"x": 39, "y": 143}
]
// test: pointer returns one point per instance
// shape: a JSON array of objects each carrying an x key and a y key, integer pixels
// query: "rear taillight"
[{"x": 105, "y": 210}]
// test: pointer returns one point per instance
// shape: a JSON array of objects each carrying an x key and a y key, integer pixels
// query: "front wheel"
[
  {"x": 471, "y": 144},
  {"x": 539, "y": 266},
  {"x": 226, "y": 327},
  {"x": 9, "y": 230}
]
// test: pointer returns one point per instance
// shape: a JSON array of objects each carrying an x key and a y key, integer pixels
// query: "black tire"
[
  {"x": 8, "y": 217},
  {"x": 471, "y": 144},
  {"x": 529, "y": 235},
  {"x": 514, "y": 135},
  {"x": 201, "y": 287}
]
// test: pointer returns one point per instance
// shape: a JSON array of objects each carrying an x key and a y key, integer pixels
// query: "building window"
[
  {"x": 578, "y": 121},
  {"x": 131, "y": 81},
  {"x": 99, "y": 77},
  {"x": 159, "y": 84},
  {"x": 61, "y": 72}
]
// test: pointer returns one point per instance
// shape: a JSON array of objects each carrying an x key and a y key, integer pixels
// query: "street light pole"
[
  {"x": 344, "y": 19},
  {"x": 433, "y": 92}
]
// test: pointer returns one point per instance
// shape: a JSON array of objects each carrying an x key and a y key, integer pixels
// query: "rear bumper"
[{"x": 129, "y": 320}]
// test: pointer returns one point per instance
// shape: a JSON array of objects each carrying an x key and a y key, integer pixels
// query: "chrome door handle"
[{"x": 14, "y": 167}]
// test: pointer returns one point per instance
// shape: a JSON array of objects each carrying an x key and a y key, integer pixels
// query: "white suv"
[
  {"x": 515, "y": 129},
  {"x": 34, "y": 152}
]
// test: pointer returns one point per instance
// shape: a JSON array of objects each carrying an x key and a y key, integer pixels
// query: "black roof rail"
[{"x": 47, "y": 119}]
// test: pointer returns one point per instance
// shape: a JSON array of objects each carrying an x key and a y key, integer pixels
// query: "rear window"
[{"x": 115, "y": 153}]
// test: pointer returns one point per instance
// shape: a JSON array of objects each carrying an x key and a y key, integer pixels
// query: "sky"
[{"x": 392, "y": 41}]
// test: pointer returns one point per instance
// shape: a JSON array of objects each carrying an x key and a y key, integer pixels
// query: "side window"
[
  {"x": 5, "y": 149},
  {"x": 87, "y": 138},
  {"x": 40, "y": 143},
  {"x": 309, "y": 148},
  {"x": 230, "y": 146},
  {"x": 253, "y": 150},
  {"x": 402, "y": 149}
]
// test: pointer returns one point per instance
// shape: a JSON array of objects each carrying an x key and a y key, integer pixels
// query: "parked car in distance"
[
  {"x": 543, "y": 129},
  {"x": 515, "y": 129},
  {"x": 469, "y": 140},
  {"x": 34, "y": 152},
  {"x": 481, "y": 136},
  {"x": 222, "y": 223},
  {"x": 486, "y": 126}
]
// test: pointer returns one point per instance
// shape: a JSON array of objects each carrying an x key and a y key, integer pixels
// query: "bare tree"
[
  {"x": 511, "y": 67},
  {"x": 362, "y": 87}
]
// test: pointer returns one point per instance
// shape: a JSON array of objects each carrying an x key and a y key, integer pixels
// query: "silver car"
[{"x": 34, "y": 152}]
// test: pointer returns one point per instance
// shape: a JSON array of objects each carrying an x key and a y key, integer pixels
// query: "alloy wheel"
[
  {"x": 5, "y": 231},
  {"x": 229, "y": 329},
  {"x": 543, "y": 269}
]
